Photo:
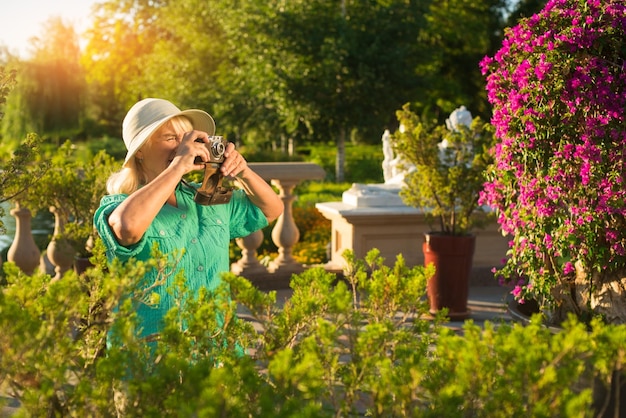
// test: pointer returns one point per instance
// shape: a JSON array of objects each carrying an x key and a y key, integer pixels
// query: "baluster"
[
  {"x": 285, "y": 234},
  {"x": 23, "y": 250},
  {"x": 59, "y": 251},
  {"x": 249, "y": 265}
]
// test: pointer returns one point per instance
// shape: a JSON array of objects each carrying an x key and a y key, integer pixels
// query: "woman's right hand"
[{"x": 192, "y": 148}]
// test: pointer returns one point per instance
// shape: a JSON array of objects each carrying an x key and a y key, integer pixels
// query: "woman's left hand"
[
  {"x": 234, "y": 163},
  {"x": 258, "y": 190}
]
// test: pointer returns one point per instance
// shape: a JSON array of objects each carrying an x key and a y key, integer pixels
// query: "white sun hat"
[{"x": 148, "y": 115}]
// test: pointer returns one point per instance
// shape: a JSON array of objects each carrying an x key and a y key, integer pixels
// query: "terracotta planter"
[{"x": 449, "y": 287}]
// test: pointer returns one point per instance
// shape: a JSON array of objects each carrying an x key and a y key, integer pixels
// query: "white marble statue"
[
  {"x": 395, "y": 168},
  {"x": 459, "y": 116},
  {"x": 387, "y": 155}
]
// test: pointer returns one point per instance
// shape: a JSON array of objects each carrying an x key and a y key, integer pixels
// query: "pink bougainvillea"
[{"x": 558, "y": 91}]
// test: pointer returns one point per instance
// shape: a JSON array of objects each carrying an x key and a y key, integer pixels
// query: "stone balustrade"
[
  {"x": 285, "y": 234},
  {"x": 285, "y": 177},
  {"x": 371, "y": 217}
]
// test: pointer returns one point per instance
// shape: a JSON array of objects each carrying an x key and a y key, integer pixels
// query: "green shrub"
[
  {"x": 361, "y": 345},
  {"x": 516, "y": 370},
  {"x": 311, "y": 192},
  {"x": 315, "y": 232},
  {"x": 363, "y": 163}
]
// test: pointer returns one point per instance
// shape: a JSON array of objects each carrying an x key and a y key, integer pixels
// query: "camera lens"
[{"x": 217, "y": 149}]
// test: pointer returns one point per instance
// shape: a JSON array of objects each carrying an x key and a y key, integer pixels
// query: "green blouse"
[{"x": 204, "y": 232}]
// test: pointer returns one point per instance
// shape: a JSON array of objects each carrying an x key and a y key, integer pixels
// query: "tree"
[
  {"x": 49, "y": 95},
  {"x": 335, "y": 71},
  {"x": 458, "y": 34},
  {"x": 121, "y": 38},
  {"x": 326, "y": 70},
  {"x": 19, "y": 168},
  {"x": 524, "y": 8}
]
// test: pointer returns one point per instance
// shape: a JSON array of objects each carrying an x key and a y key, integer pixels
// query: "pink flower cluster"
[{"x": 558, "y": 91}]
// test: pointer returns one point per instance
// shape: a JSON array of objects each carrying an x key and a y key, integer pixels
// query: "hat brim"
[{"x": 200, "y": 120}]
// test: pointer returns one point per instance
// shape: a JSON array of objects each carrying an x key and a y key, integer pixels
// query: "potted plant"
[
  {"x": 449, "y": 163},
  {"x": 558, "y": 90}
]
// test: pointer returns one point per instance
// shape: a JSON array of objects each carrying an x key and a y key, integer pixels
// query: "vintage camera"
[
  {"x": 212, "y": 191},
  {"x": 216, "y": 147}
]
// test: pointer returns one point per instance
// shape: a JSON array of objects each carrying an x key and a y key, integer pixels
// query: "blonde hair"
[{"x": 132, "y": 176}]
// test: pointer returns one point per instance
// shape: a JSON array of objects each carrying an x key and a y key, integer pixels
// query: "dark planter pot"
[
  {"x": 81, "y": 264},
  {"x": 521, "y": 312},
  {"x": 449, "y": 287},
  {"x": 608, "y": 402}
]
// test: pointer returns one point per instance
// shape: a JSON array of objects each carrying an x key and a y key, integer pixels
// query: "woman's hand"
[
  {"x": 192, "y": 148},
  {"x": 234, "y": 163},
  {"x": 257, "y": 189}
]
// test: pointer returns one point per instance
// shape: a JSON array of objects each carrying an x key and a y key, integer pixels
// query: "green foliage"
[
  {"x": 362, "y": 345},
  {"x": 530, "y": 369},
  {"x": 305, "y": 70},
  {"x": 7, "y": 82},
  {"x": 73, "y": 187},
  {"x": 314, "y": 236},
  {"x": 119, "y": 41},
  {"x": 456, "y": 37},
  {"x": 20, "y": 168},
  {"x": 363, "y": 162},
  {"x": 449, "y": 169},
  {"x": 21, "y": 171}
]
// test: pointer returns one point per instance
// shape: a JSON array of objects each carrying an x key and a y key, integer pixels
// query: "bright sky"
[{"x": 21, "y": 20}]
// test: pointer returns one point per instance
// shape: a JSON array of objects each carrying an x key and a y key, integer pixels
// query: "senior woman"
[{"x": 149, "y": 202}]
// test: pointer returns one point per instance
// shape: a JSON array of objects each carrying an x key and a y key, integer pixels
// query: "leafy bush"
[
  {"x": 315, "y": 232},
  {"x": 520, "y": 370},
  {"x": 450, "y": 162},
  {"x": 363, "y": 163},
  {"x": 558, "y": 88},
  {"x": 362, "y": 345},
  {"x": 21, "y": 170}
]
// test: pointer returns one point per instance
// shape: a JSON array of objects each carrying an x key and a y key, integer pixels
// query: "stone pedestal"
[
  {"x": 392, "y": 230},
  {"x": 373, "y": 216}
]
